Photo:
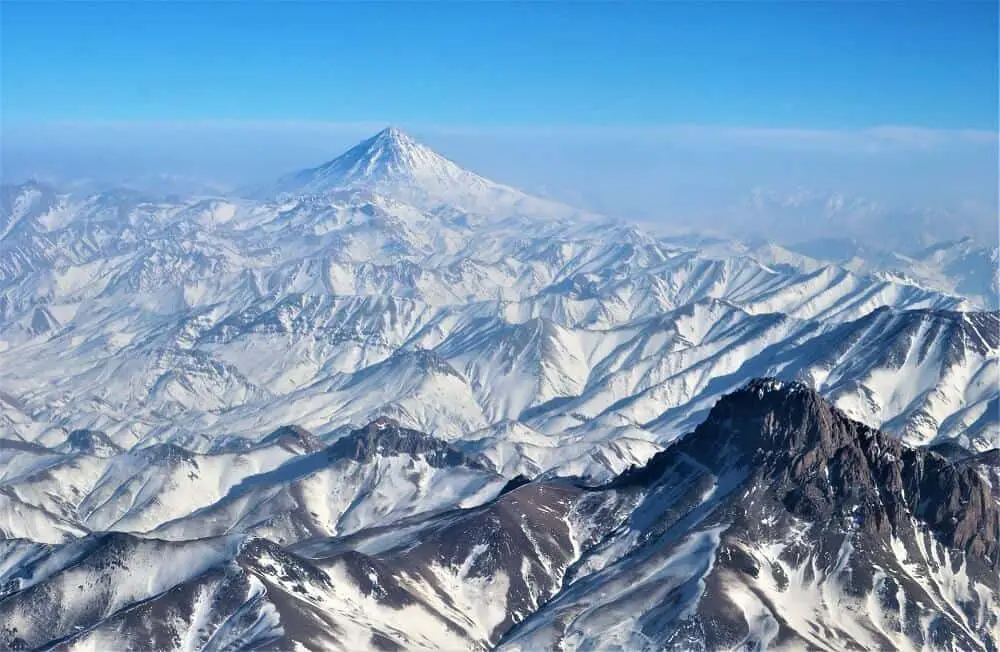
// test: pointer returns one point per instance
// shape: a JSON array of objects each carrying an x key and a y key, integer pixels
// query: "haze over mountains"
[
  {"x": 388, "y": 390},
  {"x": 899, "y": 190}
]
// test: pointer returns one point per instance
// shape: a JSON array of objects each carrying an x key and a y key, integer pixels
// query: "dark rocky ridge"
[
  {"x": 90, "y": 442},
  {"x": 774, "y": 467},
  {"x": 293, "y": 438},
  {"x": 385, "y": 436},
  {"x": 825, "y": 465}
]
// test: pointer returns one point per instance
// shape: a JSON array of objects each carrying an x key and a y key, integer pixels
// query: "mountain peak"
[
  {"x": 790, "y": 442},
  {"x": 393, "y": 135},
  {"x": 391, "y": 152},
  {"x": 389, "y": 159},
  {"x": 394, "y": 165},
  {"x": 390, "y": 142}
]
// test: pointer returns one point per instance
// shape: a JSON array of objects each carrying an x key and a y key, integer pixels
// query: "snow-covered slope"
[
  {"x": 164, "y": 363},
  {"x": 778, "y": 523},
  {"x": 288, "y": 485}
]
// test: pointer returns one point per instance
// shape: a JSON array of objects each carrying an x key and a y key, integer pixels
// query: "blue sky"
[
  {"x": 652, "y": 109},
  {"x": 803, "y": 64}
]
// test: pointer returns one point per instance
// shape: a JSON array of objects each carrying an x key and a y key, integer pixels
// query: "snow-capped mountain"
[
  {"x": 386, "y": 389},
  {"x": 392, "y": 164}
]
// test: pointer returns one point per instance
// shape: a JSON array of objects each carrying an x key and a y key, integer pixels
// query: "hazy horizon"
[
  {"x": 669, "y": 177},
  {"x": 717, "y": 117}
]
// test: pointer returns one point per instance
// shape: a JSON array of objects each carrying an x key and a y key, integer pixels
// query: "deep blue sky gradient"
[{"x": 826, "y": 65}]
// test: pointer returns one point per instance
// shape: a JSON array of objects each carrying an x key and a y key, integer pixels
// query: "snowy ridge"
[{"x": 289, "y": 485}]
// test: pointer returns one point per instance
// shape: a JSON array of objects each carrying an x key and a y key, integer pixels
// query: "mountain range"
[
  {"x": 778, "y": 522},
  {"x": 388, "y": 403}
]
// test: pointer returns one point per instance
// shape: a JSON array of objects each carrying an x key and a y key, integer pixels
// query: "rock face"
[
  {"x": 90, "y": 442},
  {"x": 822, "y": 465},
  {"x": 386, "y": 436}
]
